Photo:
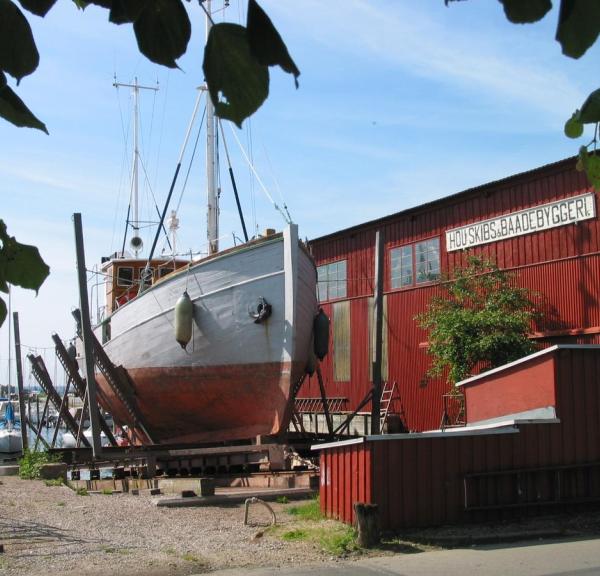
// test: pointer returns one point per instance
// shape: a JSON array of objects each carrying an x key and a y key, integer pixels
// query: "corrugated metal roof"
[{"x": 457, "y": 197}]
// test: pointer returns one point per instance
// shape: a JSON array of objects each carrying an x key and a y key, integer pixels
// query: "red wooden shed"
[
  {"x": 532, "y": 443},
  {"x": 542, "y": 225}
]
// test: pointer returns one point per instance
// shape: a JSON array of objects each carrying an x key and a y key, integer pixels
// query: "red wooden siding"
[
  {"x": 561, "y": 264},
  {"x": 526, "y": 385},
  {"x": 420, "y": 479}
]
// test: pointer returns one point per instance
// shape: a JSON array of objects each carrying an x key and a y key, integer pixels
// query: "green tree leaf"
[
  {"x": 590, "y": 110},
  {"x": 237, "y": 83},
  {"x": 163, "y": 31},
  {"x": 2, "y": 311},
  {"x": 37, "y": 7},
  {"x": 13, "y": 109},
  {"x": 578, "y": 26},
  {"x": 20, "y": 264},
  {"x": 266, "y": 44},
  {"x": 18, "y": 52},
  {"x": 123, "y": 11},
  {"x": 526, "y": 11}
]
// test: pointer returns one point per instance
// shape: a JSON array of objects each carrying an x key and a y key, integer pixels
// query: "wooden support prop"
[
  {"x": 367, "y": 524},
  {"x": 324, "y": 402}
]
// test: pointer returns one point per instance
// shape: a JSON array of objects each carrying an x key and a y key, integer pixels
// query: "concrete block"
[
  {"x": 54, "y": 471},
  {"x": 11, "y": 470}
]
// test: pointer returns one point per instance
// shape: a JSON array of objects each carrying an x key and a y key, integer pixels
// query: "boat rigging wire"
[
  {"x": 174, "y": 181},
  {"x": 233, "y": 184},
  {"x": 187, "y": 175},
  {"x": 264, "y": 188}
]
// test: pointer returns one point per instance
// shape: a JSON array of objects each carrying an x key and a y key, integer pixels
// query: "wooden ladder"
[{"x": 387, "y": 395}]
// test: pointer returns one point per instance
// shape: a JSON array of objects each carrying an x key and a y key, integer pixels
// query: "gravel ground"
[{"x": 48, "y": 529}]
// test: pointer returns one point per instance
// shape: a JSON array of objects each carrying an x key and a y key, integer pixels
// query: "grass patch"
[
  {"x": 296, "y": 534},
  {"x": 282, "y": 500},
  {"x": 60, "y": 503},
  {"x": 54, "y": 482},
  {"x": 335, "y": 539},
  {"x": 191, "y": 558},
  {"x": 310, "y": 511},
  {"x": 82, "y": 492},
  {"x": 107, "y": 491},
  {"x": 30, "y": 465},
  {"x": 115, "y": 550}
]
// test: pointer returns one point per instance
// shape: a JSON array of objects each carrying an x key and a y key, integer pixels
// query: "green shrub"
[
  {"x": 81, "y": 492},
  {"x": 54, "y": 482},
  {"x": 31, "y": 464},
  {"x": 282, "y": 500}
]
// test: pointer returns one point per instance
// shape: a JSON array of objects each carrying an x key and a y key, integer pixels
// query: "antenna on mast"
[{"x": 136, "y": 242}]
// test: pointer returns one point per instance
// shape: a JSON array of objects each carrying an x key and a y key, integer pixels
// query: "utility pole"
[{"x": 378, "y": 349}]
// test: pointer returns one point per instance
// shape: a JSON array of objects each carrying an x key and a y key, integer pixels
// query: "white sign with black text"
[{"x": 543, "y": 217}]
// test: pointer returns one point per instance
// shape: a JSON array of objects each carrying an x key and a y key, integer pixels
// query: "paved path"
[{"x": 548, "y": 558}]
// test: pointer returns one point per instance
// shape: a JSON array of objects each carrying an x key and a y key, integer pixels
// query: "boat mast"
[
  {"x": 135, "y": 242},
  {"x": 212, "y": 216}
]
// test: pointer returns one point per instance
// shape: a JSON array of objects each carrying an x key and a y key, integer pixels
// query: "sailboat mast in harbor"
[
  {"x": 135, "y": 242},
  {"x": 212, "y": 213}
]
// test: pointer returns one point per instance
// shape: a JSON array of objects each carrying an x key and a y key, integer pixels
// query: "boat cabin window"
[
  {"x": 331, "y": 281},
  {"x": 124, "y": 276},
  {"x": 165, "y": 271}
]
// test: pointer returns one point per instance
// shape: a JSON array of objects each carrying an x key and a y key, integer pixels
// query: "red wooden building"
[
  {"x": 531, "y": 444},
  {"x": 542, "y": 225}
]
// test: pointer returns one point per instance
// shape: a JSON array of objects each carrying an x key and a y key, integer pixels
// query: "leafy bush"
[
  {"x": 481, "y": 319},
  {"x": 31, "y": 464}
]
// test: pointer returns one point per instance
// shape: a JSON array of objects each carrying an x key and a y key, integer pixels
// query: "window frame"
[
  {"x": 332, "y": 295},
  {"x": 126, "y": 283},
  {"x": 414, "y": 264}
]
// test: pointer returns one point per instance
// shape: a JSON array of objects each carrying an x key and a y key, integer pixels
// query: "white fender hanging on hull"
[{"x": 184, "y": 317}]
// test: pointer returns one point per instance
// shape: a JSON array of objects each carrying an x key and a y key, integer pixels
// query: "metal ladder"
[{"x": 387, "y": 395}]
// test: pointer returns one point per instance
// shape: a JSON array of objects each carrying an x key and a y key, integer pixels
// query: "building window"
[
  {"x": 384, "y": 351},
  {"x": 427, "y": 260},
  {"x": 401, "y": 266},
  {"x": 124, "y": 276},
  {"x": 331, "y": 281},
  {"x": 341, "y": 341},
  {"x": 415, "y": 263}
]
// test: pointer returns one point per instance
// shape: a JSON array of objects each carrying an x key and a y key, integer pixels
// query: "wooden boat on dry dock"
[{"x": 213, "y": 347}]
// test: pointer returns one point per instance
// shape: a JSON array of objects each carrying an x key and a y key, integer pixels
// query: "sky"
[{"x": 399, "y": 103}]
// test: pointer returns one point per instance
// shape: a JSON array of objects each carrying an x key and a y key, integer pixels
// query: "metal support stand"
[
  {"x": 20, "y": 381},
  {"x": 38, "y": 369},
  {"x": 72, "y": 370}
]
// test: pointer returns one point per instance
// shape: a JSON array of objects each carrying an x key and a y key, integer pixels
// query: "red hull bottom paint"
[{"x": 210, "y": 404}]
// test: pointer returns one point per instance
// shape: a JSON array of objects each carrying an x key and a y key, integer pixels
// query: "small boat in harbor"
[{"x": 10, "y": 432}]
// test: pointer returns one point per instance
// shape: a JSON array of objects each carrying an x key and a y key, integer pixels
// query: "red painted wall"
[
  {"x": 420, "y": 481},
  {"x": 561, "y": 264},
  {"x": 524, "y": 386}
]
